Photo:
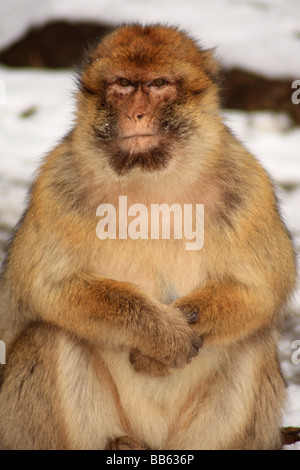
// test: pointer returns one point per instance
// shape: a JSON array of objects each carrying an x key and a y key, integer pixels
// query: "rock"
[{"x": 290, "y": 435}]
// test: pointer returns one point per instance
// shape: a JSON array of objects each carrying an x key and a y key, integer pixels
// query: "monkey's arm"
[
  {"x": 258, "y": 277},
  {"x": 111, "y": 311},
  {"x": 222, "y": 311},
  {"x": 252, "y": 275},
  {"x": 98, "y": 310},
  {"x": 228, "y": 310}
]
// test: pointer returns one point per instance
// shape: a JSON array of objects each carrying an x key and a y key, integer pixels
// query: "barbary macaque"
[{"x": 133, "y": 342}]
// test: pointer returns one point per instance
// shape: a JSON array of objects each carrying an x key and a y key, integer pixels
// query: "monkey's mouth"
[
  {"x": 138, "y": 136},
  {"x": 139, "y": 142}
]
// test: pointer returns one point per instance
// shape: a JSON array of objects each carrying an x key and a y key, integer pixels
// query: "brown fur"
[
  {"x": 126, "y": 443},
  {"x": 103, "y": 337}
]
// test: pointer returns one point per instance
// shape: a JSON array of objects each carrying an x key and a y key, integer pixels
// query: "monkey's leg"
[
  {"x": 126, "y": 443},
  {"x": 232, "y": 313},
  {"x": 237, "y": 403},
  {"x": 30, "y": 414},
  {"x": 57, "y": 394}
]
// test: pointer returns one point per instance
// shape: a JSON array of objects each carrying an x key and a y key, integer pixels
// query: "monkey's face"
[{"x": 142, "y": 91}]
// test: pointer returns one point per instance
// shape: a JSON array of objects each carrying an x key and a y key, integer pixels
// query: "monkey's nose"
[{"x": 135, "y": 116}]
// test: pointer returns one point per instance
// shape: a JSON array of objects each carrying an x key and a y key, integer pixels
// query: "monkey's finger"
[
  {"x": 197, "y": 343},
  {"x": 192, "y": 317},
  {"x": 146, "y": 365}
]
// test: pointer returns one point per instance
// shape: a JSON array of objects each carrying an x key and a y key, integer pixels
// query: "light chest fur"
[{"x": 138, "y": 261}]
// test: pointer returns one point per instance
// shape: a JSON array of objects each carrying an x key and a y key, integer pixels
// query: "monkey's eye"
[
  {"x": 124, "y": 82},
  {"x": 158, "y": 82}
]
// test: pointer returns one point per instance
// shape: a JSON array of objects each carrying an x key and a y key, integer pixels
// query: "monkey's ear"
[
  {"x": 87, "y": 73},
  {"x": 211, "y": 65},
  {"x": 88, "y": 56}
]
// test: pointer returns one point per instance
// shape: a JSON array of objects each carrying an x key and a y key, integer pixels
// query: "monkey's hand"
[
  {"x": 175, "y": 343},
  {"x": 145, "y": 364},
  {"x": 190, "y": 310}
]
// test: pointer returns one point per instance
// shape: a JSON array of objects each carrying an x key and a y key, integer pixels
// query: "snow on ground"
[
  {"x": 259, "y": 35},
  {"x": 293, "y": 447},
  {"x": 272, "y": 138},
  {"x": 38, "y": 112}
]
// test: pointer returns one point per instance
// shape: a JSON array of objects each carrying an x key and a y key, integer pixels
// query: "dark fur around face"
[
  {"x": 155, "y": 158},
  {"x": 172, "y": 125}
]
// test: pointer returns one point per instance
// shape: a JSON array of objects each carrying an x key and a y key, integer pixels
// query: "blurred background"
[{"x": 258, "y": 45}]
